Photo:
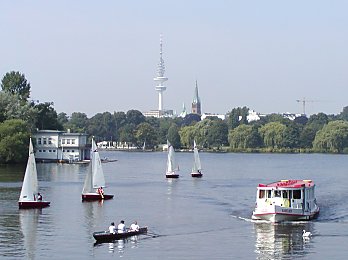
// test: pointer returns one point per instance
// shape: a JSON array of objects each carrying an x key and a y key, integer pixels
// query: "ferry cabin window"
[
  {"x": 277, "y": 193},
  {"x": 269, "y": 194},
  {"x": 72, "y": 141},
  {"x": 50, "y": 140},
  {"x": 39, "y": 141},
  {"x": 262, "y": 194},
  {"x": 296, "y": 194},
  {"x": 285, "y": 194}
]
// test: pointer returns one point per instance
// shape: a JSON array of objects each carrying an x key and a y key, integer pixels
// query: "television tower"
[{"x": 160, "y": 79}]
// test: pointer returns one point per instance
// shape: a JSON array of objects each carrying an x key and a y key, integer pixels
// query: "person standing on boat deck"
[
  {"x": 39, "y": 196},
  {"x": 121, "y": 228},
  {"x": 134, "y": 226},
  {"x": 112, "y": 228}
]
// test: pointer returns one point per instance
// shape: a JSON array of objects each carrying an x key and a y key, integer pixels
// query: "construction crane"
[{"x": 304, "y": 101}]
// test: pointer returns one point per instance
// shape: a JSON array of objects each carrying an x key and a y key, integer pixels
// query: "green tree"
[
  {"x": 63, "y": 118},
  {"x": 47, "y": 117},
  {"x": 187, "y": 135},
  {"x": 14, "y": 141},
  {"x": 217, "y": 134},
  {"x": 164, "y": 124},
  {"x": 318, "y": 119},
  {"x": 333, "y": 137},
  {"x": 12, "y": 108},
  {"x": 272, "y": 134},
  {"x": 191, "y": 119},
  {"x": 15, "y": 83},
  {"x": 146, "y": 133},
  {"x": 173, "y": 136},
  {"x": 135, "y": 117},
  {"x": 127, "y": 134},
  {"x": 291, "y": 136},
  {"x": 244, "y": 136},
  {"x": 78, "y": 122},
  {"x": 344, "y": 114},
  {"x": 102, "y": 126},
  {"x": 237, "y": 117}
]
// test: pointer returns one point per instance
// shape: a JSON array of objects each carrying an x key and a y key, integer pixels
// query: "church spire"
[{"x": 196, "y": 102}]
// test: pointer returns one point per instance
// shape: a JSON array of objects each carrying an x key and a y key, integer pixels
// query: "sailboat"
[
  {"x": 95, "y": 181},
  {"x": 196, "y": 168},
  {"x": 172, "y": 167},
  {"x": 29, "y": 197}
]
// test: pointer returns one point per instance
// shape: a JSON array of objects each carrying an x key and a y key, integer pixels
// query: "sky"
[{"x": 101, "y": 56}]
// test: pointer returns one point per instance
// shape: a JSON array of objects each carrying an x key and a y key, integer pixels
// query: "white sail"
[
  {"x": 197, "y": 162},
  {"x": 171, "y": 162},
  {"x": 30, "y": 183},
  {"x": 97, "y": 170},
  {"x": 88, "y": 185}
]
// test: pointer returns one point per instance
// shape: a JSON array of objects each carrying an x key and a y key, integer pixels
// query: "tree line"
[{"x": 20, "y": 117}]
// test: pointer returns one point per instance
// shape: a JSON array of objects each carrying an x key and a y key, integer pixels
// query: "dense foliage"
[{"x": 20, "y": 117}]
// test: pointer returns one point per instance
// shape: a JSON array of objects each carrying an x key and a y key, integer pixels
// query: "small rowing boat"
[{"x": 106, "y": 236}]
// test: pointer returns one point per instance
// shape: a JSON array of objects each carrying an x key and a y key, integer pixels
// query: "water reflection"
[
  {"x": 172, "y": 183},
  {"x": 122, "y": 244},
  {"x": 93, "y": 214},
  {"x": 29, "y": 220},
  {"x": 283, "y": 240}
]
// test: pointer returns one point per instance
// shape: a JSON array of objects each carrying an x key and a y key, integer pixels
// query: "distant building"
[
  {"x": 159, "y": 113},
  {"x": 183, "y": 112},
  {"x": 207, "y": 115},
  {"x": 196, "y": 102},
  {"x": 53, "y": 145}
]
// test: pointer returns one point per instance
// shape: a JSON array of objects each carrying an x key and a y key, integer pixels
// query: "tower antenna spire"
[{"x": 160, "y": 79}]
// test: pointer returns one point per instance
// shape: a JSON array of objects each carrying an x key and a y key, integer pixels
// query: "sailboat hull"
[
  {"x": 95, "y": 196},
  {"x": 196, "y": 175},
  {"x": 33, "y": 204},
  {"x": 172, "y": 176}
]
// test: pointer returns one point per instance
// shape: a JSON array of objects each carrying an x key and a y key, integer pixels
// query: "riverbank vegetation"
[{"x": 20, "y": 117}]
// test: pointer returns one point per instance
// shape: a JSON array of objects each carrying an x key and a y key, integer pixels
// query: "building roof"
[{"x": 289, "y": 184}]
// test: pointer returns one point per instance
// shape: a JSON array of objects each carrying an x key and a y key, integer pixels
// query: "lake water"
[{"x": 206, "y": 218}]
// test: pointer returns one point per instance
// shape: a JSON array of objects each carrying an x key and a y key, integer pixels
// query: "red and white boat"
[
  {"x": 286, "y": 200},
  {"x": 95, "y": 181},
  {"x": 30, "y": 198}
]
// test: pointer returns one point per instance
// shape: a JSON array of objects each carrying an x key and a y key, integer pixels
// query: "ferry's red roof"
[{"x": 289, "y": 184}]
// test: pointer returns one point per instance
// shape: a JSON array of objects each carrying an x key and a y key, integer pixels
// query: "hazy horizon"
[{"x": 94, "y": 57}]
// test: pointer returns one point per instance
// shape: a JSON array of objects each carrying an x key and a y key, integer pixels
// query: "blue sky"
[{"x": 97, "y": 56}]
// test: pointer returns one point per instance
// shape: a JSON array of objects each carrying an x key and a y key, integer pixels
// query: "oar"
[{"x": 152, "y": 234}]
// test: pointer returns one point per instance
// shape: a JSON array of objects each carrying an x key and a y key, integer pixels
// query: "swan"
[{"x": 306, "y": 233}]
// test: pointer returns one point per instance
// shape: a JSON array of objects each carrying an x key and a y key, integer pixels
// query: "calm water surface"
[{"x": 206, "y": 218}]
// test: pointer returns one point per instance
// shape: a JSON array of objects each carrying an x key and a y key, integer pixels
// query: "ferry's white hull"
[{"x": 281, "y": 214}]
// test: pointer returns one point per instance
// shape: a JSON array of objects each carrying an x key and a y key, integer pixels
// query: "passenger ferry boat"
[{"x": 286, "y": 200}]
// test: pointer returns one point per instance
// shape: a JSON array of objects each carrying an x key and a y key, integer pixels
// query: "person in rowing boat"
[
  {"x": 39, "y": 197},
  {"x": 134, "y": 227},
  {"x": 112, "y": 228},
  {"x": 121, "y": 228}
]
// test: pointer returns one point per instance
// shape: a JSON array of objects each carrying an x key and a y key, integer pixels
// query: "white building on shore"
[{"x": 54, "y": 145}]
